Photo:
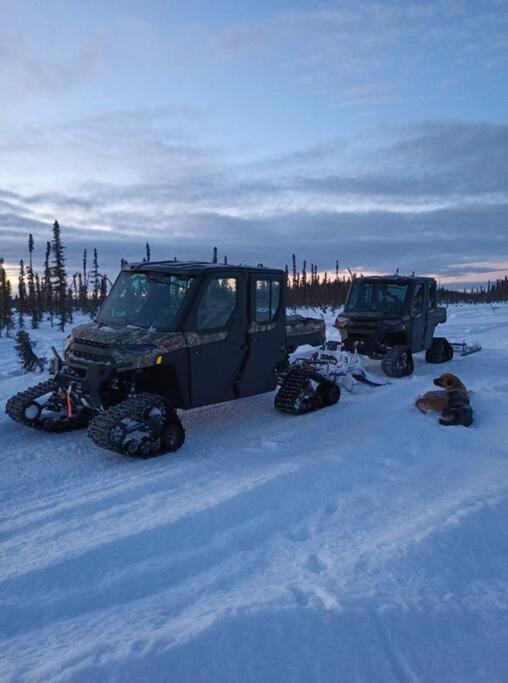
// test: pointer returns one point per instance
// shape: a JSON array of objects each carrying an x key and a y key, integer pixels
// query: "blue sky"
[{"x": 371, "y": 132}]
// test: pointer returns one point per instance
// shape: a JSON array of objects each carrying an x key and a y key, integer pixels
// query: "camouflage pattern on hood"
[{"x": 133, "y": 347}]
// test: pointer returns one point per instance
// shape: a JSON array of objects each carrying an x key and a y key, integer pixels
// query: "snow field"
[{"x": 363, "y": 542}]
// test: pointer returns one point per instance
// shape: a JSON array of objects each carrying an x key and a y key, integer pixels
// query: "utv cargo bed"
[{"x": 301, "y": 330}]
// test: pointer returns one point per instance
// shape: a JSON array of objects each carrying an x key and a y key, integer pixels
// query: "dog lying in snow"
[
  {"x": 452, "y": 403},
  {"x": 458, "y": 410},
  {"x": 437, "y": 401}
]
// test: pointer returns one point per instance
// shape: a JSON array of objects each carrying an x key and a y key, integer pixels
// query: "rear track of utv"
[{"x": 304, "y": 391}]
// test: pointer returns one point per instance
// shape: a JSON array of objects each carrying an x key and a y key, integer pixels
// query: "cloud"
[
  {"x": 237, "y": 41},
  {"x": 120, "y": 146},
  {"x": 48, "y": 53},
  {"x": 28, "y": 69},
  {"x": 433, "y": 198},
  {"x": 350, "y": 53},
  {"x": 375, "y": 52}
]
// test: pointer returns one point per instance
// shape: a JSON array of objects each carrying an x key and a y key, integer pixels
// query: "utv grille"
[
  {"x": 95, "y": 357},
  {"x": 89, "y": 342},
  {"x": 93, "y": 351}
]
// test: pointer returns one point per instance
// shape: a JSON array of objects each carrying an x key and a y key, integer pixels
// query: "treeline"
[
  {"x": 53, "y": 295},
  {"x": 493, "y": 292},
  {"x": 307, "y": 288},
  {"x": 50, "y": 294}
]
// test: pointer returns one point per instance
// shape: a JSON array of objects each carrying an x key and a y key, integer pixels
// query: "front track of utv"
[
  {"x": 46, "y": 406},
  {"x": 441, "y": 351},
  {"x": 142, "y": 426},
  {"x": 398, "y": 362}
]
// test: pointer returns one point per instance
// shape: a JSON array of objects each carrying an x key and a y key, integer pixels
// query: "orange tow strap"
[{"x": 69, "y": 404}]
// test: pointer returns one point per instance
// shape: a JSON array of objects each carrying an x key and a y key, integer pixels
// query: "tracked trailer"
[{"x": 175, "y": 335}]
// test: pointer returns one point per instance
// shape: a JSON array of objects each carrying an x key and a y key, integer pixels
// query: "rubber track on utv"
[
  {"x": 441, "y": 351},
  {"x": 15, "y": 409},
  {"x": 134, "y": 410},
  {"x": 393, "y": 364},
  {"x": 291, "y": 397}
]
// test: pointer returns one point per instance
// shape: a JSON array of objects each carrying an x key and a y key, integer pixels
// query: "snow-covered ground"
[{"x": 364, "y": 542}]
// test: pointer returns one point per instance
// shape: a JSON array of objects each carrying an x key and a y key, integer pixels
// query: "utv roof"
[
  {"x": 403, "y": 279},
  {"x": 194, "y": 268}
]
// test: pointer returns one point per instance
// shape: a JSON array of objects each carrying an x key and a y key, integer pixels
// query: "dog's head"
[{"x": 448, "y": 381}]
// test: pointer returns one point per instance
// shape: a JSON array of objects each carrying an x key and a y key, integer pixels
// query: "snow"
[{"x": 363, "y": 542}]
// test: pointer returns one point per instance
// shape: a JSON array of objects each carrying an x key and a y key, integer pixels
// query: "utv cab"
[{"x": 390, "y": 318}]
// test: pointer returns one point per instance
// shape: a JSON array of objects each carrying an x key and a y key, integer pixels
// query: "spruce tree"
[
  {"x": 9, "y": 318},
  {"x": 147, "y": 249},
  {"x": 75, "y": 290},
  {"x": 3, "y": 284},
  {"x": 47, "y": 285},
  {"x": 82, "y": 297},
  {"x": 215, "y": 256},
  {"x": 95, "y": 282},
  {"x": 22, "y": 296},
  {"x": 32, "y": 297},
  {"x": 85, "y": 282},
  {"x": 103, "y": 289},
  {"x": 59, "y": 278},
  {"x": 39, "y": 300},
  {"x": 70, "y": 304},
  {"x": 6, "y": 317},
  {"x": 25, "y": 349}
]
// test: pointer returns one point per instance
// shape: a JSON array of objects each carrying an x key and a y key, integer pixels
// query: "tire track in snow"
[
  {"x": 231, "y": 583},
  {"x": 371, "y": 520}
]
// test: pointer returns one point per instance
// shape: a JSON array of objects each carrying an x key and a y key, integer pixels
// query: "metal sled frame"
[{"x": 465, "y": 348}]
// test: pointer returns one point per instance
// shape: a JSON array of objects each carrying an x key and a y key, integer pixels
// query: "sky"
[{"x": 375, "y": 133}]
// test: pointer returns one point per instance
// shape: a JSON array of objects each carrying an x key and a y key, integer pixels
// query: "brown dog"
[{"x": 438, "y": 400}]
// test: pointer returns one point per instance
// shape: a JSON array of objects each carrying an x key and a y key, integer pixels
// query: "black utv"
[
  {"x": 175, "y": 335},
  {"x": 390, "y": 318}
]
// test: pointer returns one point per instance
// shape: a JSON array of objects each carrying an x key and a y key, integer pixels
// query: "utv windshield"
[
  {"x": 377, "y": 297},
  {"x": 145, "y": 300}
]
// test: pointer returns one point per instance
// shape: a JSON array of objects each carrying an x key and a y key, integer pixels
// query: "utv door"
[
  {"x": 418, "y": 314},
  {"x": 266, "y": 344},
  {"x": 431, "y": 314},
  {"x": 216, "y": 333}
]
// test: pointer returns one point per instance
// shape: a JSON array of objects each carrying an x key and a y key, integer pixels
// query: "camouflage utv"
[{"x": 172, "y": 336}]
